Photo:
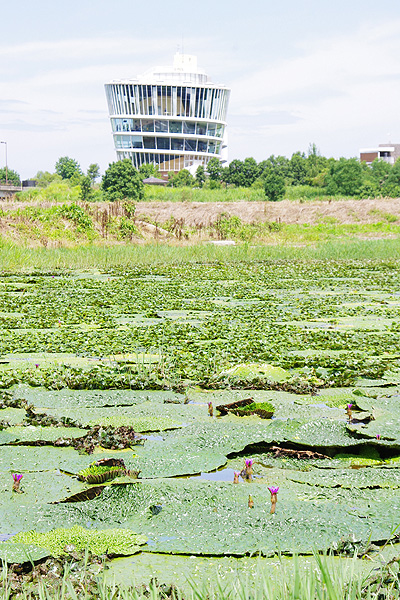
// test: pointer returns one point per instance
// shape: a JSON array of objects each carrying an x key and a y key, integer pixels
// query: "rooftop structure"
[
  {"x": 387, "y": 152},
  {"x": 173, "y": 117}
]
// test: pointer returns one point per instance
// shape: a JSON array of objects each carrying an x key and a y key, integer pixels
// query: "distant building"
[
  {"x": 173, "y": 117},
  {"x": 387, "y": 152}
]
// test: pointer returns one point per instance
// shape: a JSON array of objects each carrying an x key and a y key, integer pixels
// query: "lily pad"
[
  {"x": 213, "y": 518},
  {"x": 43, "y": 398},
  {"x": 246, "y": 374},
  {"x": 32, "y": 434},
  {"x": 22, "y": 553}
]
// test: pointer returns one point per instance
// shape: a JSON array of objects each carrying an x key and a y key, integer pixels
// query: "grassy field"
[{"x": 15, "y": 258}]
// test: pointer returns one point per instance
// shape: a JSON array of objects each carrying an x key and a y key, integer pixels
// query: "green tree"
[
  {"x": 122, "y": 181},
  {"x": 86, "y": 189},
  {"x": 67, "y": 167},
  {"x": 380, "y": 171},
  {"x": 44, "y": 178},
  {"x": 236, "y": 174},
  {"x": 149, "y": 170},
  {"x": 214, "y": 169},
  {"x": 93, "y": 172},
  {"x": 200, "y": 176},
  {"x": 274, "y": 185},
  {"x": 278, "y": 163},
  {"x": 250, "y": 171},
  {"x": 345, "y": 177},
  {"x": 297, "y": 169},
  {"x": 317, "y": 166},
  {"x": 391, "y": 186},
  {"x": 12, "y": 177},
  {"x": 181, "y": 179}
]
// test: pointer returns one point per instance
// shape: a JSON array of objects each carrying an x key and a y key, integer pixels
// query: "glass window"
[
  {"x": 147, "y": 125},
  {"x": 202, "y": 146},
  {"x": 201, "y": 128},
  {"x": 211, "y": 129},
  {"x": 163, "y": 143},
  {"x": 137, "y": 141},
  {"x": 220, "y": 130},
  {"x": 211, "y": 147},
  {"x": 149, "y": 143},
  {"x": 161, "y": 126},
  {"x": 176, "y": 144},
  {"x": 189, "y": 127},
  {"x": 135, "y": 125},
  {"x": 175, "y": 127},
  {"x": 190, "y": 145}
]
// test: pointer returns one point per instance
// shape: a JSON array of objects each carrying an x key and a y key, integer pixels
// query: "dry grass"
[{"x": 287, "y": 211}]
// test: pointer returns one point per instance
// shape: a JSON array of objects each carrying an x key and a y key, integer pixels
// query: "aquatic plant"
[
  {"x": 97, "y": 542},
  {"x": 251, "y": 501},
  {"x": 17, "y": 480},
  {"x": 236, "y": 477},
  {"x": 105, "y": 470},
  {"x": 274, "y": 498},
  {"x": 210, "y": 409},
  {"x": 247, "y": 472},
  {"x": 349, "y": 411}
]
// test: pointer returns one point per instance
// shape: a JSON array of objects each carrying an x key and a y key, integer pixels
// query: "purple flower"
[
  {"x": 210, "y": 404},
  {"x": 273, "y": 490},
  {"x": 37, "y": 366},
  {"x": 349, "y": 406},
  {"x": 249, "y": 462},
  {"x": 378, "y": 436},
  {"x": 17, "y": 476}
]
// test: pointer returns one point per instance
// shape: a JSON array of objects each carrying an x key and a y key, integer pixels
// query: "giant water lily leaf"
[
  {"x": 32, "y": 434},
  {"x": 205, "y": 446},
  {"x": 23, "y": 459},
  {"x": 140, "y": 418},
  {"x": 198, "y": 517},
  {"x": 20, "y": 511},
  {"x": 22, "y": 553},
  {"x": 250, "y": 372},
  {"x": 187, "y": 572},
  {"x": 349, "y": 478},
  {"x": 43, "y": 398},
  {"x": 13, "y": 416},
  {"x": 45, "y": 359}
]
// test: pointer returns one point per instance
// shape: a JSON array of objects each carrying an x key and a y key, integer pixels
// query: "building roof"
[
  {"x": 184, "y": 71},
  {"x": 154, "y": 181}
]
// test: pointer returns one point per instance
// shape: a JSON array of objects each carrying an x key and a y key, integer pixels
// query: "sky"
[{"x": 300, "y": 72}]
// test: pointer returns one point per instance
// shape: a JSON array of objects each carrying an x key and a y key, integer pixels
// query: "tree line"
[{"x": 332, "y": 177}]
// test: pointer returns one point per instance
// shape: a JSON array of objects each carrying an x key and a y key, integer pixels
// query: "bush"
[
  {"x": 274, "y": 185},
  {"x": 122, "y": 181}
]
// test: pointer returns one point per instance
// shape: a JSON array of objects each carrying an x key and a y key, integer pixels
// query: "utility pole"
[{"x": 6, "y": 162}]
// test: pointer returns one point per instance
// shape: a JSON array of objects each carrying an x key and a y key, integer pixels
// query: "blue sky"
[{"x": 300, "y": 72}]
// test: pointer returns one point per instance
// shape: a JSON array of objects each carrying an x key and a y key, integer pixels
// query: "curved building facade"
[{"x": 173, "y": 117}]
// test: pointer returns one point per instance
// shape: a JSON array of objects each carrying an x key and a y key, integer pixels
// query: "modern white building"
[
  {"x": 173, "y": 117},
  {"x": 387, "y": 152}
]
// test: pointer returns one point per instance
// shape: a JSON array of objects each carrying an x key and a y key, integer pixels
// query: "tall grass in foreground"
[
  {"x": 322, "y": 580},
  {"x": 13, "y": 258}
]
